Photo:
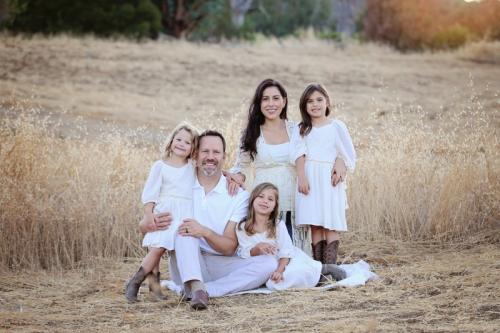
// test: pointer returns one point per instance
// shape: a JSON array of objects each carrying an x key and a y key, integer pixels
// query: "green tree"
[{"x": 135, "y": 18}]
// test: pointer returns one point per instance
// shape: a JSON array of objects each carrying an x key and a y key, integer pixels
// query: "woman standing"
[{"x": 272, "y": 144}]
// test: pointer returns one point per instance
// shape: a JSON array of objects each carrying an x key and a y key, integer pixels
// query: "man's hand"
[
  {"x": 163, "y": 221},
  {"x": 339, "y": 172},
  {"x": 263, "y": 248},
  {"x": 191, "y": 227},
  {"x": 153, "y": 222}
]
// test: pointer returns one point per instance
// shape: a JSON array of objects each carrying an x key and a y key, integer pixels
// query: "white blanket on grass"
[{"x": 357, "y": 275}]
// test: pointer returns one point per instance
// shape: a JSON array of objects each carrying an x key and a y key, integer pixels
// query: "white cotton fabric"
[
  {"x": 194, "y": 259},
  {"x": 170, "y": 188},
  {"x": 221, "y": 275},
  {"x": 301, "y": 272},
  {"x": 275, "y": 164},
  {"x": 358, "y": 274},
  {"x": 325, "y": 204},
  {"x": 216, "y": 208}
]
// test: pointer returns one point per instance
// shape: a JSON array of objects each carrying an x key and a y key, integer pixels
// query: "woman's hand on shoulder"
[{"x": 234, "y": 182}]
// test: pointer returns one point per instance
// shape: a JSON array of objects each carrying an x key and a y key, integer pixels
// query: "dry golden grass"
[
  {"x": 81, "y": 121},
  {"x": 425, "y": 288},
  {"x": 482, "y": 52}
]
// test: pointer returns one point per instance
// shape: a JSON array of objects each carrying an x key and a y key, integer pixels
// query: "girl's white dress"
[
  {"x": 170, "y": 188},
  {"x": 276, "y": 164},
  {"x": 301, "y": 272},
  {"x": 325, "y": 204}
]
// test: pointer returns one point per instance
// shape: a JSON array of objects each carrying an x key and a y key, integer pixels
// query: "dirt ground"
[{"x": 422, "y": 288}]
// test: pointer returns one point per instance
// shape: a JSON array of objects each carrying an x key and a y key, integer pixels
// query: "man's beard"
[{"x": 210, "y": 171}]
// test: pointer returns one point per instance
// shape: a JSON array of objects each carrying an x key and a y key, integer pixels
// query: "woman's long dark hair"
[
  {"x": 256, "y": 117},
  {"x": 306, "y": 124}
]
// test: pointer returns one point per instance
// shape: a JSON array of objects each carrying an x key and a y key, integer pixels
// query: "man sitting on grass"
[{"x": 204, "y": 260}]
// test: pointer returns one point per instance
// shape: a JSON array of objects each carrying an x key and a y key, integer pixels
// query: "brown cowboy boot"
[
  {"x": 334, "y": 271},
  {"x": 330, "y": 252},
  {"x": 155, "y": 287},
  {"x": 133, "y": 285},
  {"x": 317, "y": 250},
  {"x": 199, "y": 301}
]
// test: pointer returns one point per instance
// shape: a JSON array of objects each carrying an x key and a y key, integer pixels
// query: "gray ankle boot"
[{"x": 334, "y": 271}]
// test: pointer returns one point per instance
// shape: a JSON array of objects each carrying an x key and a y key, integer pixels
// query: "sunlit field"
[{"x": 81, "y": 121}]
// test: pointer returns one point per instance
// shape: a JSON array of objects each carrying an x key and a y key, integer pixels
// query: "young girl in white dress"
[
  {"x": 168, "y": 189},
  {"x": 321, "y": 199},
  {"x": 262, "y": 233}
]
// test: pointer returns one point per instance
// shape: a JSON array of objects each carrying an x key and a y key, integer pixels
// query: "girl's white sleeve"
[
  {"x": 297, "y": 144},
  {"x": 151, "y": 191},
  {"x": 245, "y": 243},
  {"x": 345, "y": 146},
  {"x": 243, "y": 161},
  {"x": 285, "y": 245}
]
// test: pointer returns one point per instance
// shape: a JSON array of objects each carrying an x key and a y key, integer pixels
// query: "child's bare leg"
[
  {"x": 152, "y": 259},
  {"x": 156, "y": 269},
  {"x": 331, "y": 235},
  {"x": 154, "y": 282},
  {"x": 317, "y": 234},
  {"x": 149, "y": 262}
]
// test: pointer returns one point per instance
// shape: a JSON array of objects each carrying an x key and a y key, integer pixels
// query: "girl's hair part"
[
  {"x": 249, "y": 223},
  {"x": 256, "y": 117},
  {"x": 306, "y": 124},
  {"x": 167, "y": 151}
]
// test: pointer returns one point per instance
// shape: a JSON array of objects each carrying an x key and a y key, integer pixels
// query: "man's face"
[{"x": 210, "y": 156}]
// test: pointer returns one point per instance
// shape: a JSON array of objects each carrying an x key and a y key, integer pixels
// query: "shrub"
[{"x": 451, "y": 38}]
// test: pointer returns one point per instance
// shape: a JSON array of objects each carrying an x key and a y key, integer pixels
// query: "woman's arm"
[{"x": 243, "y": 161}]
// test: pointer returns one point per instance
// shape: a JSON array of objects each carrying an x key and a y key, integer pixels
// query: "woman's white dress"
[
  {"x": 170, "y": 188},
  {"x": 301, "y": 272},
  {"x": 276, "y": 164},
  {"x": 325, "y": 204}
]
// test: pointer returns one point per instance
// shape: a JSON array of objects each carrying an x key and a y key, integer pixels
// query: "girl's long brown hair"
[
  {"x": 306, "y": 124},
  {"x": 249, "y": 223}
]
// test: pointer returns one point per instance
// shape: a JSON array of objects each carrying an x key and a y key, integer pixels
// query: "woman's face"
[
  {"x": 265, "y": 202},
  {"x": 272, "y": 103},
  {"x": 316, "y": 105}
]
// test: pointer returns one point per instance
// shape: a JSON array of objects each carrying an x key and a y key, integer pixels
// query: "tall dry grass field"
[{"x": 82, "y": 120}]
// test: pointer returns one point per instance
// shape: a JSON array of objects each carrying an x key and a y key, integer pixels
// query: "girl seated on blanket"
[{"x": 261, "y": 232}]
